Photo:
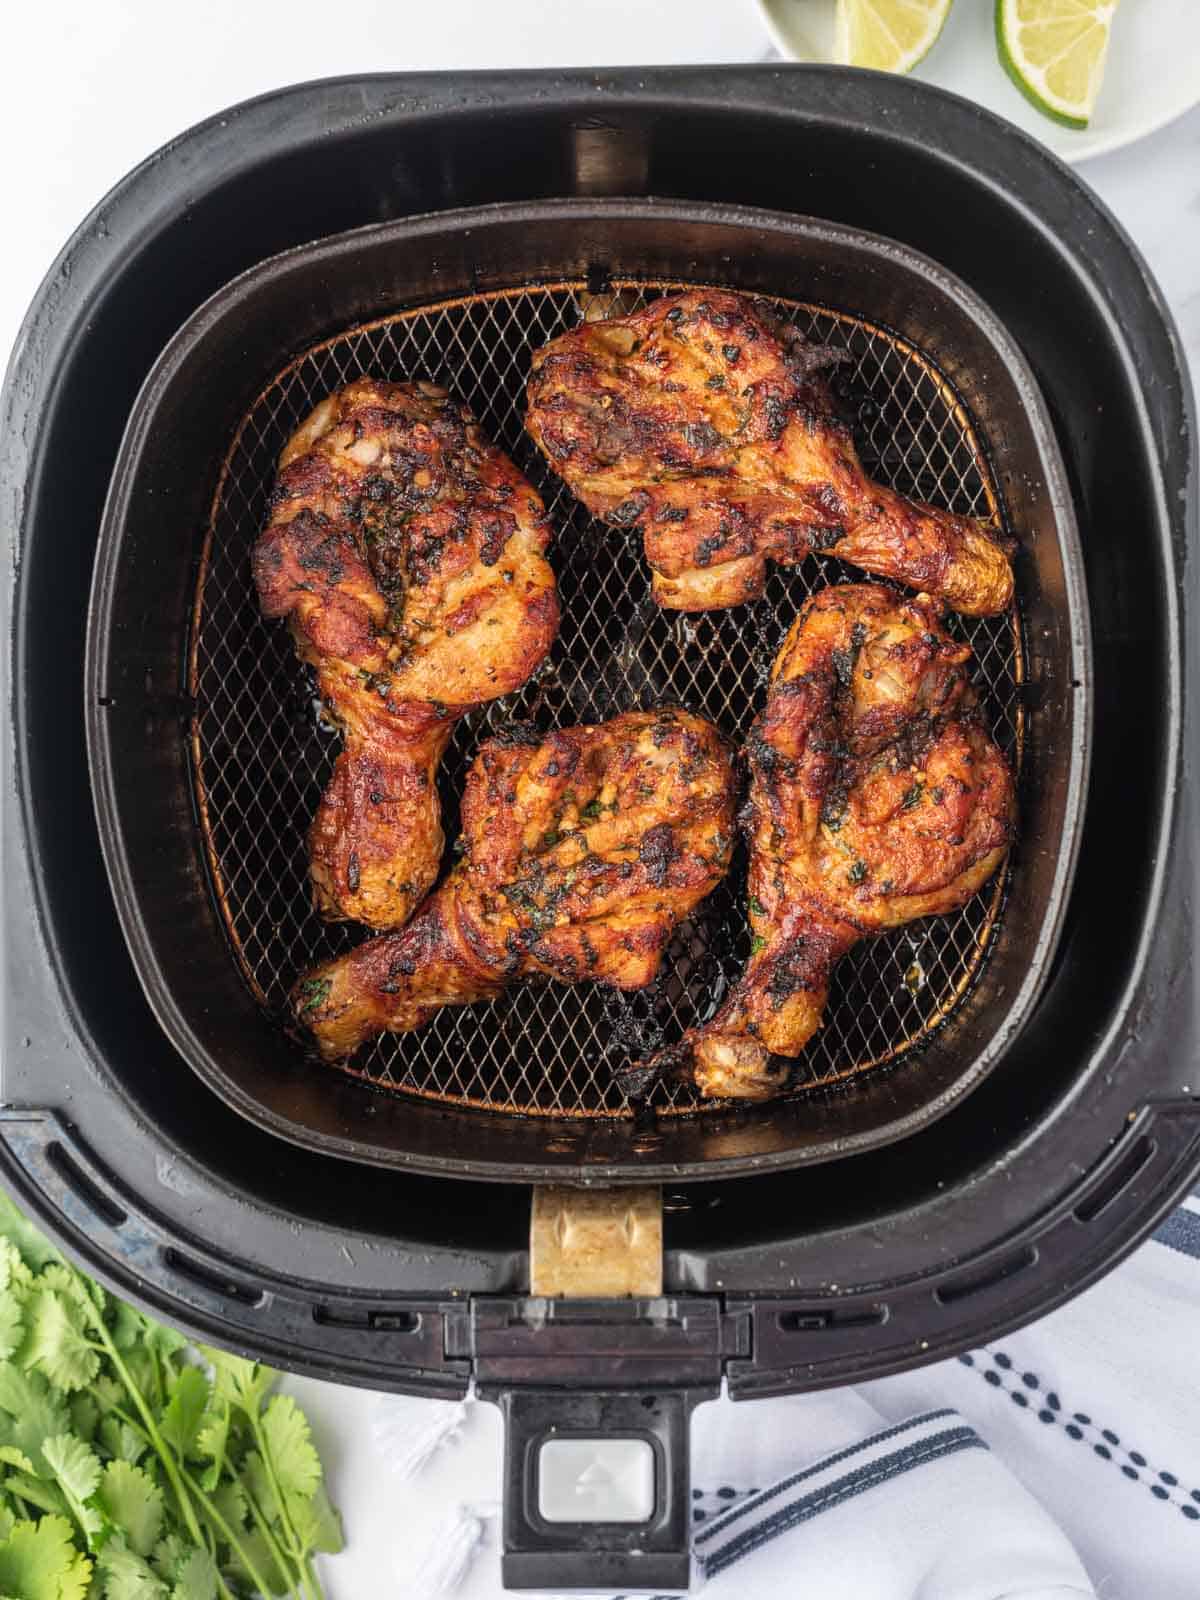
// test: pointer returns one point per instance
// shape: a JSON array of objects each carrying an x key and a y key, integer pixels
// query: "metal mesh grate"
[{"x": 261, "y": 759}]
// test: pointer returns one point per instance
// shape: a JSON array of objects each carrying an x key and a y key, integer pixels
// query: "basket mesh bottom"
[{"x": 261, "y": 759}]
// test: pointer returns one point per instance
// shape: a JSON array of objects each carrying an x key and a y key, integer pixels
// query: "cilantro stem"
[
  {"x": 285, "y": 1520},
  {"x": 228, "y": 1534},
  {"x": 208, "y": 1509},
  {"x": 77, "y": 1510},
  {"x": 160, "y": 1388},
  {"x": 311, "y": 1582},
  {"x": 156, "y": 1439},
  {"x": 281, "y": 1555},
  {"x": 131, "y": 1423},
  {"x": 268, "y": 1533},
  {"x": 210, "y": 1544}
]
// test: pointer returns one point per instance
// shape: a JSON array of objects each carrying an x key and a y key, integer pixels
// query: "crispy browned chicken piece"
[
  {"x": 705, "y": 423},
  {"x": 580, "y": 854},
  {"x": 877, "y": 796},
  {"x": 408, "y": 553}
]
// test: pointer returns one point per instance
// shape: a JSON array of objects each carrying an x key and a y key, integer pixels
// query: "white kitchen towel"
[
  {"x": 919, "y": 1509},
  {"x": 969, "y": 1480},
  {"x": 1096, "y": 1409}
]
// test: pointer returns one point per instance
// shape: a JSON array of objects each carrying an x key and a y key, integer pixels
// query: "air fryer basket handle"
[
  {"x": 596, "y": 1480},
  {"x": 597, "y": 1488}
]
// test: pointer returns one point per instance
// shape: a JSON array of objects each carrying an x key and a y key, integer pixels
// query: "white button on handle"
[{"x": 596, "y": 1480}]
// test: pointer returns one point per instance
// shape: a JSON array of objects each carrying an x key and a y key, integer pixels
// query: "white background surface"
[{"x": 89, "y": 89}]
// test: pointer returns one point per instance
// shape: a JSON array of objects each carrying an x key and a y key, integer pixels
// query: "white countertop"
[{"x": 89, "y": 89}]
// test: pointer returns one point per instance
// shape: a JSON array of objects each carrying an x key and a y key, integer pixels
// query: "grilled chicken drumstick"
[
  {"x": 408, "y": 553},
  {"x": 705, "y": 423},
  {"x": 877, "y": 796},
  {"x": 580, "y": 854}
]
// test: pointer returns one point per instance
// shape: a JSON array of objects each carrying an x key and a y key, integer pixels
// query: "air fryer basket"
[
  {"x": 947, "y": 411},
  {"x": 261, "y": 759}
]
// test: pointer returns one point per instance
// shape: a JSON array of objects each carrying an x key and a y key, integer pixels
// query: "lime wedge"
[
  {"x": 889, "y": 35},
  {"x": 1054, "y": 51}
]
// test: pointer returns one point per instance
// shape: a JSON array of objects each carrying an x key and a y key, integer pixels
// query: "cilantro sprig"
[{"x": 129, "y": 1472}]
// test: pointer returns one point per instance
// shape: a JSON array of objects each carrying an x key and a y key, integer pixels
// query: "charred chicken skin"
[
  {"x": 408, "y": 554},
  {"x": 706, "y": 424},
  {"x": 580, "y": 853},
  {"x": 877, "y": 796}
]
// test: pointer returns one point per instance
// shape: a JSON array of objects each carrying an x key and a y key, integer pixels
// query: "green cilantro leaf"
[
  {"x": 33, "y": 1248},
  {"x": 57, "y": 1343},
  {"x": 245, "y": 1383},
  {"x": 230, "y": 1501},
  {"x": 121, "y": 1441},
  {"x": 133, "y": 1502},
  {"x": 15, "y": 1276},
  {"x": 85, "y": 1414},
  {"x": 12, "y": 1327},
  {"x": 181, "y": 1421},
  {"x": 262, "y": 1557},
  {"x": 166, "y": 1341},
  {"x": 144, "y": 1372},
  {"x": 256, "y": 1481},
  {"x": 107, "y": 1392},
  {"x": 169, "y": 1555},
  {"x": 289, "y": 1445},
  {"x": 77, "y": 1290},
  {"x": 36, "y": 1411},
  {"x": 127, "y": 1326},
  {"x": 197, "y": 1578},
  {"x": 318, "y": 1525},
  {"x": 75, "y": 1466},
  {"x": 126, "y": 1576},
  {"x": 39, "y": 1562},
  {"x": 37, "y": 1492},
  {"x": 77, "y": 1469},
  {"x": 100, "y": 1408},
  {"x": 211, "y": 1443}
]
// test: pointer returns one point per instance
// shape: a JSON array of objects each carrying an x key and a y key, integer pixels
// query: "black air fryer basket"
[{"x": 1001, "y": 1103}]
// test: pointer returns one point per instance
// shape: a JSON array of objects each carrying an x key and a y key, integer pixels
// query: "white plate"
[{"x": 1153, "y": 69}]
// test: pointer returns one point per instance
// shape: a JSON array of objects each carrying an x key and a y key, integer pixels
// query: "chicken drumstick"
[
  {"x": 706, "y": 424},
  {"x": 408, "y": 553},
  {"x": 877, "y": 796},
  {"x": 580, "y": 854}
]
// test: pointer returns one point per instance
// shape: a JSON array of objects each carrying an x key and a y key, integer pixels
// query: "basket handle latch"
[
  {"x": 597, "y": 1373},
  {"x": 596, "y": 1243}
]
